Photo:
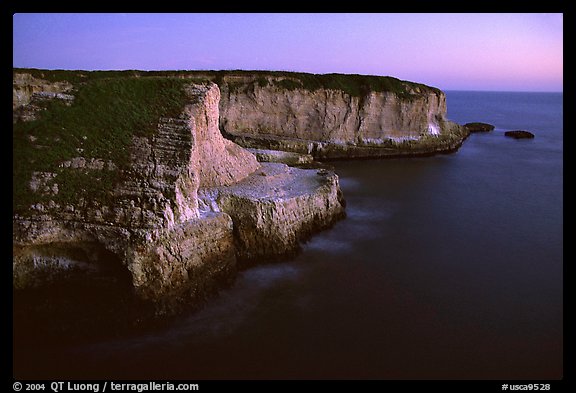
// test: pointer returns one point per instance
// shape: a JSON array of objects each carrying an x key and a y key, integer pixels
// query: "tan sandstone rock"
[
  {"x": 330, "y": 123},
  {"x": 177, "y": 247}
]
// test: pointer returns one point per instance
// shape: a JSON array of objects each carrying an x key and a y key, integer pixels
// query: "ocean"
[{"x": 446, "y": 267}]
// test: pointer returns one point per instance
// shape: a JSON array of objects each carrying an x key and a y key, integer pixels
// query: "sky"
[{"x": 503, "y": 52}]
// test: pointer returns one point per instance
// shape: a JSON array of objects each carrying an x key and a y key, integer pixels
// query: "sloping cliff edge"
[{"x": 179, "y": 206}]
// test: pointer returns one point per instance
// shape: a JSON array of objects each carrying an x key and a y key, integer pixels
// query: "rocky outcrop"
[
  {"x": 24, "y": 86},
  {"x": 185, "y": 263},
  {"x": 278, "y": 206},
  {"x": 283, "y": 157},
  {"x": 179, "y": 215},
  {"x": 328, "y": 122},
  {"x": 519, "y": 134},
  {"x": 219, "y": 161},
  {"x": 30, "y": 94},
  {"x": 452, "y": 138},
  {"x": 479, "y": 127}
]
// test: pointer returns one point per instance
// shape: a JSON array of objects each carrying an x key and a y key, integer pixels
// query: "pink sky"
[{"x": 514, "y": 52}]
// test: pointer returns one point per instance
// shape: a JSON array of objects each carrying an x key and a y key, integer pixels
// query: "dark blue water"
[{"x": 447, "y": 267}]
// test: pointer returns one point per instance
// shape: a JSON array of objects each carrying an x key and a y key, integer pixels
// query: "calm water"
[{"x": 446, "y": 267}]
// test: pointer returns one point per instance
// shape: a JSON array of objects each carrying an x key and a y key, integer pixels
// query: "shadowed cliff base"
[{"x": 449, "y": 142}]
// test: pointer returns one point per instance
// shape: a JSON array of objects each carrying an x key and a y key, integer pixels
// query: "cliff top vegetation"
[
  {"x": 352, "y": 84},
  {"x": 105, "y": 114}
]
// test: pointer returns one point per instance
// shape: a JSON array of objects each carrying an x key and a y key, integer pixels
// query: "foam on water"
[{"x": 433, "y": 129}]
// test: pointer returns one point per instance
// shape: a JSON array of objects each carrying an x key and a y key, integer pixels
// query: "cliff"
[
  {"x": 327, "y": 116},
  {"x": 137, "y": 167},
  {"x": 335, "y": 115},
  {"x": 133, "y": 165}
]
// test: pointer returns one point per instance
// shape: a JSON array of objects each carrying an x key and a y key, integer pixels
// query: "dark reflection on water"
[{"x": 446, "y": 267}]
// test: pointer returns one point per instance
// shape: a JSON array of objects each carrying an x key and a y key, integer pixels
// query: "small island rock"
[
  {"x": 519, "y": 134},
  {"x": 479, "y": 127}
]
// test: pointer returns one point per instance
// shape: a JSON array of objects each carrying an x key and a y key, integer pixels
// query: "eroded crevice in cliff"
[
  {"x": 48, "y": 263},
  {"x": 75, "y": 292}
]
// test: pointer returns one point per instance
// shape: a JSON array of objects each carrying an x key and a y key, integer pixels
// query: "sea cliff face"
[
  {"x": 332, "y": 122},
  {"x": 173, "y": 208},
  {"x": 330, "y": 115}
]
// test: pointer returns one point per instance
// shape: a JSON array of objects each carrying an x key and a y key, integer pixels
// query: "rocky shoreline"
[
  {"x": 189, "y": 207},
  {"x": 449, "y": 142},
  {"x": 181, "y": 207}
]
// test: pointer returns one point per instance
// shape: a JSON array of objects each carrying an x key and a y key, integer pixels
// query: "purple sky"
[{"x": 515, "y": 52}]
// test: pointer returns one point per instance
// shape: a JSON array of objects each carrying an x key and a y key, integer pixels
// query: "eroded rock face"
[
  {"x": 178, "y": 247},
  {"x": 283, "y": 157},
  {"x": 29, "y": 93},
  {"x": 329, "y": 115},
  {"x": 186, "y": 263},
  {"x": 219, "y": 161},
  {"x": 332, "y": 123},
  {"x": 25, "y": 85},
  {"x": 277, "y": 206}
]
